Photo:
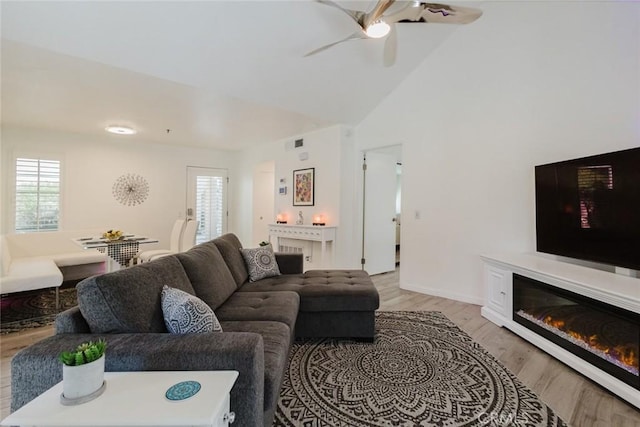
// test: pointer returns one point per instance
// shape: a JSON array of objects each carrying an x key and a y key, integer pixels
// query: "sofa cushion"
[
  {"x": 273, "y": 306},
  {"x": 324, "y": 290},
  {"x": 185, "y": 313},
  {"x": 277, "y": 342},
  {"x": 26, "y": 274},
  {"x": 208, "y": 273},
  {"x": 290, "y": 263},
  {"x": 77, "y": 258},
  {"x": 261, "y": 262},
  {"x": 229, "y": 247},
  {"x": 128, "y": 300}
]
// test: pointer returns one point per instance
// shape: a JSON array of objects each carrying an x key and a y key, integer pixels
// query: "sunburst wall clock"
[{"x": 131, "y": 189}]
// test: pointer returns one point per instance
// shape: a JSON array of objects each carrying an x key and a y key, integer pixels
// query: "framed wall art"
[{"x": 303, "y": 187}]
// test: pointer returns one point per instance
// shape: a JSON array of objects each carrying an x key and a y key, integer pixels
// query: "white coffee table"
[{"x": 136, "y": 399}]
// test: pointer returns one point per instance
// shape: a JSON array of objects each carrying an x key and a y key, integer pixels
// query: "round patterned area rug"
[{"x": 422, "y": 370}]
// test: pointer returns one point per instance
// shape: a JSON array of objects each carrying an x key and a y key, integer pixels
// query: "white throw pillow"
[
  {"x": 185, "y": 313},
  {"x": 261, "y": 262}
]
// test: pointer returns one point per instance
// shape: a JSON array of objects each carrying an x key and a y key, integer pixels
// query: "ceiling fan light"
[
  {"x": 120, "y": 130},
  {"x": 378, "y": 29}
]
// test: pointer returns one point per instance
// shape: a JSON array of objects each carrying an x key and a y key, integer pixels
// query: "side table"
[{"x": 136, "y": 399}]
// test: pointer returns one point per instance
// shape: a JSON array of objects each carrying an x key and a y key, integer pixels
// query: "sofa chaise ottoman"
[{"x": 260, "y": 320}]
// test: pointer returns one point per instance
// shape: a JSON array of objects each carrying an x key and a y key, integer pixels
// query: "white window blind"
[
  {"x": 209, "y": 207},
  {"x": 37, "y": 195}
]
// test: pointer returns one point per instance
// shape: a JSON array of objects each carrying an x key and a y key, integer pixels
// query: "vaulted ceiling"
[{"x": 220, "y": 74}]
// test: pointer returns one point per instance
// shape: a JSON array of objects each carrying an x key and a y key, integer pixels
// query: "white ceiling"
[{"x": 221, "y": 74}]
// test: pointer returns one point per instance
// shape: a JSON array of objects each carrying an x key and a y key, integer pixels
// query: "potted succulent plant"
[{"x": 83, "y": 372}]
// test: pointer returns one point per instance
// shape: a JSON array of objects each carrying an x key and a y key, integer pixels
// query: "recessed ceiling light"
[{"x": 120, "y": 130}]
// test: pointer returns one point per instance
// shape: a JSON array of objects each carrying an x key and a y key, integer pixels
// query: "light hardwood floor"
[{"x": 576, "y": 399}]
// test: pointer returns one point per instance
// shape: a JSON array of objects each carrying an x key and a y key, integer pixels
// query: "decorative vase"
[{"x": 83, "y": 382}]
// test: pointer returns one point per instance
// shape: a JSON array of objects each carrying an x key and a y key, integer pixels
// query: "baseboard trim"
[{"x": 443, "y": 294}]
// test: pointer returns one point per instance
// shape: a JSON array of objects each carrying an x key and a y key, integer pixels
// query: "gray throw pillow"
[
  {"x": 185, "y": 313},
  {"x": 261, "y": 262}
]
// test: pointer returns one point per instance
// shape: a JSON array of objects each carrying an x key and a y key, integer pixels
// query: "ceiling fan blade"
[
  {"x": 376, "y": 13},
  {"x": 435, "y": 13},
  {"x": 356, "y": 15},
  {"x": 357, "y": 35},
  {"x": 390, "y": 47}
]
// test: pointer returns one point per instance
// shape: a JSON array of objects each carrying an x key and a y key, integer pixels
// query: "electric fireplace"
[{"x": 606, "y": 336}]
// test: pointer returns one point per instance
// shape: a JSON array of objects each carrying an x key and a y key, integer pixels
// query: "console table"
[
  {"x": 614, "y": 289},
  {"x": 136, "y": 399},
  {"x": 313, "y": 233}
]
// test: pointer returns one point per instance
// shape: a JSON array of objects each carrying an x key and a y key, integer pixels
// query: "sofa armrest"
[
  {"x": 36, "y": 368},
  {"x": 290, "y": 263}
]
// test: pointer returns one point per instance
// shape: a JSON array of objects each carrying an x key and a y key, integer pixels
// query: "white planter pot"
[{"x": 83, "y": 380}]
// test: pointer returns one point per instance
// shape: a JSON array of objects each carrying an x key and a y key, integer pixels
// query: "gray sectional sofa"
[{"x": 260, "y": 321}]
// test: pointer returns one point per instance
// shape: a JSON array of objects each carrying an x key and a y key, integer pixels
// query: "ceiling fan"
[{"x": 375, "y": 24}]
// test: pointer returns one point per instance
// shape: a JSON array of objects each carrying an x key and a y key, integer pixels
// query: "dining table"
[{"x": 122, "y": 251}]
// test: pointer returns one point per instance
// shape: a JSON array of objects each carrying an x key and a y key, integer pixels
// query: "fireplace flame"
[{"x": 625, "y": 353}]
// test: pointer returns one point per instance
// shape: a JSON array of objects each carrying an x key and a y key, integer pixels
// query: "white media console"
[{"x": 614, "y": 289}]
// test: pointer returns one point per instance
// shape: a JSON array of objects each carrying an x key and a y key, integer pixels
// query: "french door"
[{"x": 207, "y": 201}]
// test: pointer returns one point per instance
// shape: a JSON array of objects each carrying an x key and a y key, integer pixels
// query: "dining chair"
[
  {"x": 187, "y": 240},
  {"x": 174, "y": 243},
  {"x": 189, "y": 236}
]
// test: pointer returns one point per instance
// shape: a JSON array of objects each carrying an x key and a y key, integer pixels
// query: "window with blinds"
[
  {"x": 209, "y": 207},
  {"x": 37, "y": 195}
]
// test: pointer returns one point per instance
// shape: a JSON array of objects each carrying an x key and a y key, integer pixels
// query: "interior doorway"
[{"x": 381, "y": 221}]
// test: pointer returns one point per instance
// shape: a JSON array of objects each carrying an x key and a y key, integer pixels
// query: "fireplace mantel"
[{"x": 614, "y": 289}]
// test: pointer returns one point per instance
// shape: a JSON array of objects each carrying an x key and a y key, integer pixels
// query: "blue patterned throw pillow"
[
  {"x": 184, "y": 313},
  {"x": 261, "y": 262}
]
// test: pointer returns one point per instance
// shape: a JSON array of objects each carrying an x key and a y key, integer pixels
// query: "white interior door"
[
  {"x": 379, "y": 237},
  {"x": 207, "y": 201},
  {"x": 263, "y": 201}
]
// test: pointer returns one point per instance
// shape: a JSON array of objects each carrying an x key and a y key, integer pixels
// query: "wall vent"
[{"x": 298, "y": 143}]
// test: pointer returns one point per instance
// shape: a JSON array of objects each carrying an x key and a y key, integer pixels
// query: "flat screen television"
[{"x": 589, "y": 208}]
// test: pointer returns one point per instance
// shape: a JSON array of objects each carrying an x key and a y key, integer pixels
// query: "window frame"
[{"x": 46, "y": 156}]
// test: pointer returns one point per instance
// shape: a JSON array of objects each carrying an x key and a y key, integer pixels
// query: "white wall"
[
  {"x": 330, "y": 152},
  {"x": 528, "y": 83},
  {"x": 262, "y": 189},
  {"x": 91, "y": 166}
]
